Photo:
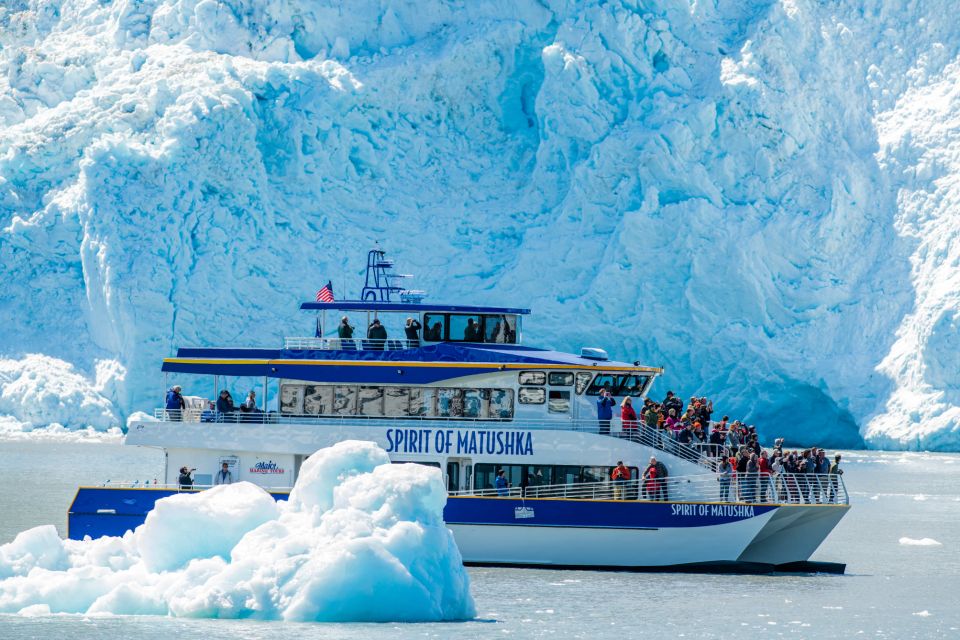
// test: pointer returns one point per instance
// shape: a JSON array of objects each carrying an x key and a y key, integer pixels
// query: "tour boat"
[{"x": 464, "y": 394}]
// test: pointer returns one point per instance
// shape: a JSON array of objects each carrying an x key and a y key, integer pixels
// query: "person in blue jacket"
[
  {"x": 503, "y": 487},
  {"x": 605, "y": 404},
  {"x": 175, "y": 403}
]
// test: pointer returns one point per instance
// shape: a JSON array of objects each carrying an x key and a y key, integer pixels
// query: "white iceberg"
[
  {"x": 359, "y": 540},
  {"x": 922, "y": 542}
]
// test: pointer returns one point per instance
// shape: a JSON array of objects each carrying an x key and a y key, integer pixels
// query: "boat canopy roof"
[
  {"x": 376, "y": 305},
  {"x": 448, "y": 360}
]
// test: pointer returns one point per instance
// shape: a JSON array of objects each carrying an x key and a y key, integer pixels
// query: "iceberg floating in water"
[
  {"x": 359, "y": 540},
  {"x": 921, "y": 542}
]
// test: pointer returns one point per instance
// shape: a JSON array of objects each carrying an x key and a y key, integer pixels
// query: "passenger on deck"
[
  {"x": 724, "y": 472},
  {"x": 185, "y": 481},
  {"x": 175, "y": 403},
  {"x": 753, "y": 477},
  {"x": 763, "y": 463},
  {"x": 835, "y": 472},
  {"x": 628, "y": 417},
  {"x": 503, "y": 487},
  {"x": 651, "y": 486},
  {"x": 345, "y": 331},
  {"x": 377, "y": 334},
  {"x": 661, "y": 478},
  {"x": 620, "y": 477},
  {"x": 605, "y": 405},
  {"x": 434, "y": 333},
  {"x": 250, "y": 404},
  {"x": 223, "y": 476},
  {"x": 717, "y": 437},
  {"x": 412, "y": 329},
  {"x": 225, "y": 404},
  {"x": 210, "y": 413},
  {"x": 471, "y": 332}
]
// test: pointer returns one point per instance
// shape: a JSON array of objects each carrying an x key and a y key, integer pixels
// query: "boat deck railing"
[
  {"x": 348, "y": 344},
  {"x": 743, "y": 488},
  {"x": 701, "y": 454},
  {"x": 146, "y": 484}
]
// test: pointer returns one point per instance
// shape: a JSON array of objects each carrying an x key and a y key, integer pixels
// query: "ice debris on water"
[
  {"x": 359, "y": 539},
  {"x": 921, "y": 542}
]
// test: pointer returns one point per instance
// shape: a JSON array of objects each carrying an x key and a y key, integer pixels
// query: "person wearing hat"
[
  {"x": 377, "y": 335},
  {"x": 185, "y": 481},
  {"x": 175, "y": 403},
  {"x": 412, "y": 331},
  {"x": 345, "y": 331}
]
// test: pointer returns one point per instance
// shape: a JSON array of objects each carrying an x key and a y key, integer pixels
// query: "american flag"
[{"x": 326, "y": 293}]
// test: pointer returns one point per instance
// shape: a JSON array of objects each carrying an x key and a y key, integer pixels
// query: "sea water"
[{"x": 899, "y": 542}]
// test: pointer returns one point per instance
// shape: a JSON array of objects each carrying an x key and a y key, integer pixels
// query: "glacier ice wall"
[{"x": 757, "y": 195}]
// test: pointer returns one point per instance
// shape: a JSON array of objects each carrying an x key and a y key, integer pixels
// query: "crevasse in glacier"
[{"x": 757, "y": 195}]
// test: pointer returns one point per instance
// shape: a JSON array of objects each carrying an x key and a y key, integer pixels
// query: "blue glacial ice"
[
  {"x": 359, "y": 540},
  {"x": 758, "y": 195}
]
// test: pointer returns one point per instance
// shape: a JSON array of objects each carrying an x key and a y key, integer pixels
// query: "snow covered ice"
[
  {"x": 760, "y": 196},
  {"x": 360, "y": 539}
]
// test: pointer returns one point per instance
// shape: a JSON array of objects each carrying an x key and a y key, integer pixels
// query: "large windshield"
[{"x": 618, "y": 384}]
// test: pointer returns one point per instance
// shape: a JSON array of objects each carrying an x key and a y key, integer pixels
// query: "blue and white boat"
[{"x": 464, "y": 394}]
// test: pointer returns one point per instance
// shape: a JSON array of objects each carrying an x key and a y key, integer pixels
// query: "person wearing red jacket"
[
  {"x": 620, "y": 477},
  {"x": 628, "y": 417},
  {"x": 764, "y": 465}
]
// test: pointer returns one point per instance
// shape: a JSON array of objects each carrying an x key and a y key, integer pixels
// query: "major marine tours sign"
[{"x": 460, "y": 442}]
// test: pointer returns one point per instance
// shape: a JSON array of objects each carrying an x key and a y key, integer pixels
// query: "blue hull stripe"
[{"x": 104, "y": 511}]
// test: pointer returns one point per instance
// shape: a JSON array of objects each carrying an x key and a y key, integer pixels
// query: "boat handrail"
[
  {"x": 348, "y": 344},
  {"x": 743, "y": 488},
  {"x": 136, "y": 484}
]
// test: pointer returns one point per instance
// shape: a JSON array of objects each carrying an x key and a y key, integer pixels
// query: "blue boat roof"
[
  {"x": 435, "y": 362},
  {"x": 373, "y": 305}
]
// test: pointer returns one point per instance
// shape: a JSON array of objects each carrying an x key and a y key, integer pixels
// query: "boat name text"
[
  {"x": 722, "y": 510},
  {"x": 460, "y": 442}
]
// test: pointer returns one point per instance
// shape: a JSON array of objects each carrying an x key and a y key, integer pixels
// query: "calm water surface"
[{"x": 890, "y": 590}]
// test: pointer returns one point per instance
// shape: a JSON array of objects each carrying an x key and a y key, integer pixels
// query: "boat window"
[
  {"x": 396, "y": 401},
  {"x": 318, "y": 400},
  {"x": 344, "y": 400},
  {"x": 433, "y": 327},
  {"x": 633, "y": 385},
  {"x": 464, "y": 328},
  {"x": 583, "y": 379},
  {"x": 559, "y": 402},
  {"x": 593, "y": 474},
  {"x": 472, "y": 403},
  {"x": 560, "y": 379},
  {"x": 450, "y": 403},
  {"x": 418, "y": 402},
  {"x": 484, "y": 475},
  {"x": 500, "y": 329},
  {"x": 539, "y": 475},
  {"x": 291, "y": 398},
  {"x": 370, "y": 401},
  {"x": 618, "y": 385},
  {"x": 532, "y": 377},
  {"x": 501, "y": 403},
  {"x": 534, "y": 395},
  {"x": 453, "y": 476},
  {"x": 567, "y": 474}
]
